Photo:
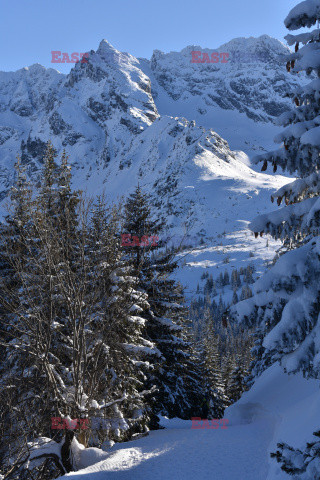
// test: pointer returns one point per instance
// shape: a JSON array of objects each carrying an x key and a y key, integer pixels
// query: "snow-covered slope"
[{"x": 290, "y": 402}]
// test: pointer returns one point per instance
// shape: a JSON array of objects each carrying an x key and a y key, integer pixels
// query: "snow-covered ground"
[
  {"x": 181, "y": 453},
  {"x": 228, "y": 197},
  {"x": 278, "y": 408}
]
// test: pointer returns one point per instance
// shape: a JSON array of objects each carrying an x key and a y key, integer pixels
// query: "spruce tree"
[
  {"x": 212, "y": 373},
  {"x": 72, "y": 334},
  {"x": 299, "y": 464},
  {"x": 118, "y": 324},
  {"x": 228, "y": 365},
  {"x": 14, "y": 232},
  {"x": 237, "y": 381},
  {"x": 234, "y": 297},
  {"x": 166, "y": 317},
  {"x": 286, "y": 304},
  {"x": 221, "y": 280}
]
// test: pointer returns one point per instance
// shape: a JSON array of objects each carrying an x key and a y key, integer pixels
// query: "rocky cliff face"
[
  {"x": 240, "y": 99},
  {"x": 252, "y": 81},
  {"x": 93, "y": 112}
]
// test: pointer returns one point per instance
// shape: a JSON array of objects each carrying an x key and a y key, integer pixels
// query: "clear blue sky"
[{"x": 31, "y": 29}]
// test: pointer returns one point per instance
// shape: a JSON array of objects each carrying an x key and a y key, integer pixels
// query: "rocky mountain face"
[
  {"x": 99, "y": 110},
  {"x": 124, "y": 120},
  {"x": 251, "y": 81},
  {"x": 238, "y": 98},
  {"x": 94, "y": 112}
]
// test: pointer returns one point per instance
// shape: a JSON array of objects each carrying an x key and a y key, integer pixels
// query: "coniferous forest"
[{"x": 97, "y": 330}]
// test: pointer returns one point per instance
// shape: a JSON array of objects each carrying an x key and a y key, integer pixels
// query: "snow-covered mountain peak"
[
  {"x": 107, "y": 58},
  {"x": 38, "y": 69},
  {"x": 249, "y": 49},
  {"x": 35, "y": 71},
  {"x": 246, "y": 49},
  {"x": 110, "y": 56},
  {"x": 233, "y": 97},
  {"x": 113, "y": 75},
  {"x": 106, "y": 47},
  {"x": 103, "y": 105}
]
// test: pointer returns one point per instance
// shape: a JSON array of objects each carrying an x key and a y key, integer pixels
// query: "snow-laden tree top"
[{"x": 305, "y": 14}]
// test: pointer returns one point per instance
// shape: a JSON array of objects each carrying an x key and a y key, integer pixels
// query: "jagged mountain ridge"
[
  {"x": 242, "y": 83},
  {"x": 234, "y": 98},
  {"x": 101, "y": 106},
  {"x": 93, "y": 112}
]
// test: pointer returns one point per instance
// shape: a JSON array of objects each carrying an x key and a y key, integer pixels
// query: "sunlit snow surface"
[{"x": 278, "y": 408}]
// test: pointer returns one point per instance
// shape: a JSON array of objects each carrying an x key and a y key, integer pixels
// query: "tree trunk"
[{"x": 66, "y": 451}]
